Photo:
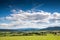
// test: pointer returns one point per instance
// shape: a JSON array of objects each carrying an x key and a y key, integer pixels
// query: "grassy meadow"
[
  {"x": 48, "y": 37},
  {"x": 31, "y": 38},
  {"x": 30, "y": 35}
]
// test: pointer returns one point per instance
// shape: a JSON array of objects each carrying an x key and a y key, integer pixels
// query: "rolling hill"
[{"x": 31, "y": 29}]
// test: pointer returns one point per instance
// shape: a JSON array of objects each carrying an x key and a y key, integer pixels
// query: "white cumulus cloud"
[{"x": 29, "y": 19}]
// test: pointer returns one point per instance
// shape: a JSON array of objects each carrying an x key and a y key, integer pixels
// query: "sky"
[{"x": 15, "y": 14}]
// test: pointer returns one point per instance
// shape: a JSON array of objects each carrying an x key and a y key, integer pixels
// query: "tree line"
[{"x": 29, "y": 33}]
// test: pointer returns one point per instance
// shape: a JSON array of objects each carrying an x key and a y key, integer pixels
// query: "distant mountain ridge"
[
  {"x": 23, "y": 29},
  {"x": 51, "y": 28},
  {"x": 31, "y": 29}
]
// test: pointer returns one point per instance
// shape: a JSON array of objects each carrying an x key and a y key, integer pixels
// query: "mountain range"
[{"x": 31, "y": 29}]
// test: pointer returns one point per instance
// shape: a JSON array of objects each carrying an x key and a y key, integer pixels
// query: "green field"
[
  {"x": 31, "y": 35},
  {"x": 48, "y": 37}
]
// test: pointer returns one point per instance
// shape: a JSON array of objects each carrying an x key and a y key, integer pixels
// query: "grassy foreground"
[{"x": 48, "y": 37}]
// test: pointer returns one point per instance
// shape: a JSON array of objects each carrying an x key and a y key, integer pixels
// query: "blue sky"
[
  {"x": 48, "y": 5},
  {"x": 34, "y": 13}
]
